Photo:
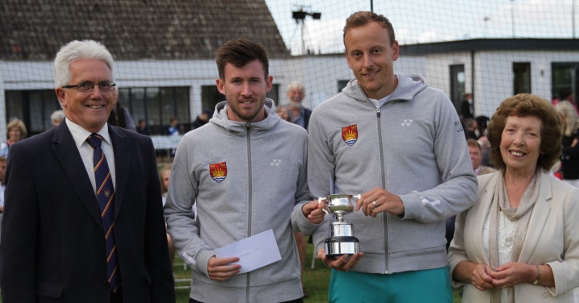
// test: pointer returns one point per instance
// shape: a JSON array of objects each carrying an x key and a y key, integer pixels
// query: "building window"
[
  {"x": 274, "y": 93},
  {"x": 521, "y": 78},
  {"x": 565, "y": 81},
  {"x": 157, "y": 105},
  {"x": 457, "y": 80},
  {"x": 342, "y": 84},
  {"x": 210, "y": 96}
]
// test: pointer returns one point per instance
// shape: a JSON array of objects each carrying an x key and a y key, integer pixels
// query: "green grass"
[{"x": 315, "y": 280}]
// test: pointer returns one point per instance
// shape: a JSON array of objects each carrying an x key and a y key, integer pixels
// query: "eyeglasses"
[{"x": 88, "y": 86}]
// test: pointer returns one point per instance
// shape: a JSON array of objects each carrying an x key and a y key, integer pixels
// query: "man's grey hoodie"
[
  {"x": 245, "y": 178},
  {"x": 412, "y": 146}
]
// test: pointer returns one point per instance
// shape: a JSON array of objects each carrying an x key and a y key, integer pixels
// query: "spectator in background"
[
  {"x": 202, "y": 119},
  {"x": 284, "y": 113},
  {"x": 467, "y": 107},
  {"x": 57, "y": 117},
  {"x": 16, "y": 132},
  {"x": 173, "y": 129},
  {"x": 570, "y": 153},
  {"x": 2, "y": 182},
  {"x": 2, "y": 187},
  {"x": 470, "y": 128},
  {"x": 475, "y": 152},
  {"x": 482, "y": 122},
  {"x": 120, "y": 115},
  {"x": 165, "y": 176},
  {"x": 296, "y": 92},
  {"x": 142, "y": 128}
]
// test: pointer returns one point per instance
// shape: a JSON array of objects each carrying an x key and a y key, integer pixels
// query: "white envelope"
[{"x": 254, "y": 252}]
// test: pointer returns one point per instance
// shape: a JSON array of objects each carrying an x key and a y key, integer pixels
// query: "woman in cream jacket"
[{"x": 520, "y": 241}]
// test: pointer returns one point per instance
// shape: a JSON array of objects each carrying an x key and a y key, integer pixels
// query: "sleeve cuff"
[{"x": 202, "y": 259}]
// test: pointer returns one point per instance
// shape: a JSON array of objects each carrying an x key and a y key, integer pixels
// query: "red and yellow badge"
[
  {"x": 218, "y": 171},
  {"x": 350, "y": 134}
]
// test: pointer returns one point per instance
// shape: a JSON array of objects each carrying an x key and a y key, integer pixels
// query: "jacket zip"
[
  {"x": 383, "y": 175},
  {"x": 250, "y": 197}
]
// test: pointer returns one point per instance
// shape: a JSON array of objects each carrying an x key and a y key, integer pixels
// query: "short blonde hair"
[
  {"x": 571, "y": 124},
  {"x": 362, "y": 18},
  {"x": 17, "y": 123}
]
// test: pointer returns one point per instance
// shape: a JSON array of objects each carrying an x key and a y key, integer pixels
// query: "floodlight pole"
[{"x": 300, "y": 16}]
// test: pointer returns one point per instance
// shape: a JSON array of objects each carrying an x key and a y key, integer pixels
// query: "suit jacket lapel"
[
  {"x": 122, "y": 149},
  {"x": 69, "y": 158},
  {"x": 538, "y": 219}
]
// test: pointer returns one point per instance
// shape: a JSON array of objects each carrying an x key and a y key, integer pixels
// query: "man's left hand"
[{"x": 380, "y": 200}]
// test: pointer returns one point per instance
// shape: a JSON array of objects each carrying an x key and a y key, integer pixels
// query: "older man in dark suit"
[{"x": 84, "y": 221}]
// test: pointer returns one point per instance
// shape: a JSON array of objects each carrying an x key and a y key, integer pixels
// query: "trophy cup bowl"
[{"x": 342, "y": 240}]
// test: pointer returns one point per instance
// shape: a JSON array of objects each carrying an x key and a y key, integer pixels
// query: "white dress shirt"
[{"x": 80, "y": 135}]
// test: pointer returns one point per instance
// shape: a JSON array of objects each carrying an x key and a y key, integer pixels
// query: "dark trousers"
[{"x": 300, "y": 300}]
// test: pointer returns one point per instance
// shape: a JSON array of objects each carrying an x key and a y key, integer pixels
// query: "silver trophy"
[{"x": 342, "y": 240}]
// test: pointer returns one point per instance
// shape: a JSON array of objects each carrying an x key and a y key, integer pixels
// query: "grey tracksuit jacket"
[
  {"x": 412, "y": 146},
  {"x": 245, "y": 178}
]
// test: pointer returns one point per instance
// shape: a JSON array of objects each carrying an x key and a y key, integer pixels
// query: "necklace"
[{"x": 507, "y": 230}]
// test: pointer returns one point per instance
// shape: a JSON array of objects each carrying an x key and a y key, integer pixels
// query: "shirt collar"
[{"x": 80, "y": 134}]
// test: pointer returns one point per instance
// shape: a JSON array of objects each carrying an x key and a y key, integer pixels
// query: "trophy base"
[{"x": 336, "y": 246}]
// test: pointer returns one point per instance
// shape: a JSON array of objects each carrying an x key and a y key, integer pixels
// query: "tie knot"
[{"x": 95, "y": 140}]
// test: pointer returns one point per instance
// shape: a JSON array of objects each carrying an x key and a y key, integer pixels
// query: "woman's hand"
[
  {"x": 513, "y": 273},
  {"x": 481, "y": 278}
]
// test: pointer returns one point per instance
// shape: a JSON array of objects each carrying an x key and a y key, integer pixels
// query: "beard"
[
  {"x": 295, "y": 104},
  {"x": 247, "y": 116}
]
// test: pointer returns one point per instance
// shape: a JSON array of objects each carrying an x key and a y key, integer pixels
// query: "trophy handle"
[{"x": 324, "y": 200}]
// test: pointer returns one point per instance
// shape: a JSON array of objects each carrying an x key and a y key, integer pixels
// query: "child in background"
[{"x": 165, "y": 176}]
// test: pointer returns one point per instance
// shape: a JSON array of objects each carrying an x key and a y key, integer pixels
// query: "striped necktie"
[{"x": 106, "y": 197}]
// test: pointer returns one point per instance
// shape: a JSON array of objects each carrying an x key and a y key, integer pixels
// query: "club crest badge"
[
  {"x": 350, "y": 134},
  {"x": 218, "y": 171}
]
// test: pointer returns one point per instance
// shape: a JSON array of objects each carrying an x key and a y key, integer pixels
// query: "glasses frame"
[{"x": 77, "y": 86}]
